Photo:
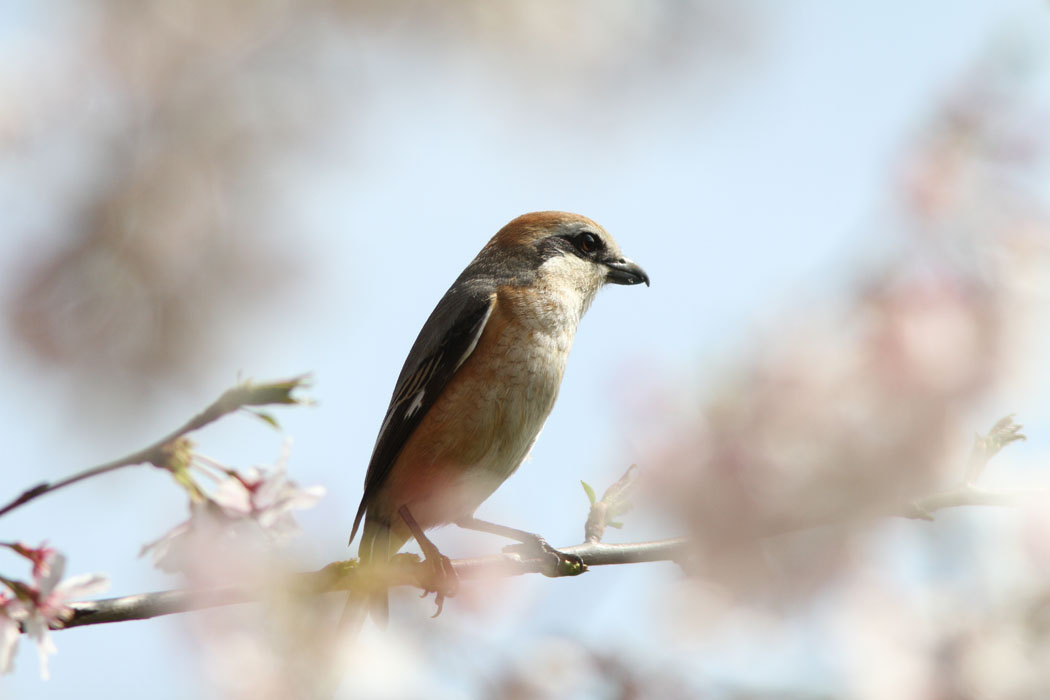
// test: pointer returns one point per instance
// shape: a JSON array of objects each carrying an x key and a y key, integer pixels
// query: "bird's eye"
[{"x": 587, "y": 242}]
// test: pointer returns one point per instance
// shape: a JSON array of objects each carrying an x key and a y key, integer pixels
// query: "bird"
[{"x": 479, "y": 383}]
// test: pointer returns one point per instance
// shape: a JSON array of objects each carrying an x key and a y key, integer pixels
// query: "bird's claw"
[
  {"x": 437, "y": 574},
  {"x": 559, "y": 563},
  {"x": 438, "y": 577}
]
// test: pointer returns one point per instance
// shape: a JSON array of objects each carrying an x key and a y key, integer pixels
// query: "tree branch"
[
  {"x": 405, "y": 570},
  {"x": 164, "y": 452},
  {"x": 969, "y": 495},
  {"x": 1004, "y": 432},
  {"x": 615, "y": 501}
]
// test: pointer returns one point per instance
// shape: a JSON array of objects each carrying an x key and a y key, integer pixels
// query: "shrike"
[{"x": 481, "y": 379}]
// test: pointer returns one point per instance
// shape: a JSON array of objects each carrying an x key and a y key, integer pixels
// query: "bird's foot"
[
  {"x": 437, "y": 575},
  {"x": 557, "y": 563}
]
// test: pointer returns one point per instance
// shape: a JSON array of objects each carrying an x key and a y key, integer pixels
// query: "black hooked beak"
[{"x": 624, "y": 271}]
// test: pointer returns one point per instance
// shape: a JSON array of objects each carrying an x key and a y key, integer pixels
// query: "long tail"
[{"x": 376, "y": 547}]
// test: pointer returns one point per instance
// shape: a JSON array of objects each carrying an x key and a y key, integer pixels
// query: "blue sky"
[{"x": 740, "y": 194}]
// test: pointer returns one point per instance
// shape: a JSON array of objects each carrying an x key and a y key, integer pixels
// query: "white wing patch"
[
  {"x": 417, "y": 402},
  {"x": 415, "y": 386},
  {"x": 477, "y": 336}
]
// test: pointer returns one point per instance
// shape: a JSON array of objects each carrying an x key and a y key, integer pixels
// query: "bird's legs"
[
  {"x": 566, "y": 564},
  {"x": 442, "y": 581}
]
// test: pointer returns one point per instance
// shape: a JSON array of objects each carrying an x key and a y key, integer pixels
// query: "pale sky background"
[{"x": 740, "y": 196}]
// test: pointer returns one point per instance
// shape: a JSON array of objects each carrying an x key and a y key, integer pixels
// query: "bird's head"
[{"x": 564, "y": 250}]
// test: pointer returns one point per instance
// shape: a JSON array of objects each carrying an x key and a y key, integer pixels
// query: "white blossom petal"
[
  {"x": 9, "y": 634},
  {"x": 81, "y": 586},
  {"x": 36, "y": 629}
]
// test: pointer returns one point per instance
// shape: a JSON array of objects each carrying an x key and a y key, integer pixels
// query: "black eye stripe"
[
  {"x": 588, "y": 243},
  {"x": 585, "y": 244}
]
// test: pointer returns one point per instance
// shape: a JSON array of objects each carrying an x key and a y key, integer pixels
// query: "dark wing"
[{"x": 446, "y": 341}]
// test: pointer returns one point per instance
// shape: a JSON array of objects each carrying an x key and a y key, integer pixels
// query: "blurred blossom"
[
  {"x": 559, "y": 667},
  {"x": 946, "y": 639},
  {"x": 34, "y": 608},
  {"x": 886, "y": 655},
  {"x": 231, "y": 530},
  {"x": 838, "y": 419},
  {"x": 149, "y": 145},
  {"x": 48, "y": 607},
  {"x": 151, "y": 149},
  {"x": 970, "y": 183},
  {"x": 288, "y": 648},
  {"x": 10, "y": 631},
  {"x": 42, "y": 557},
  {"x": 277, "y": 649},
  {"x": 267, "y": 496},
  {"x": 392, "y": 664},
  {"x": 552, "y": 668},
  {"x": 137, "y": 288},
  {"x": 855, "y": 406},
  {"x": 1002, "y": 653},
  {"x": 193, "y": 546}
]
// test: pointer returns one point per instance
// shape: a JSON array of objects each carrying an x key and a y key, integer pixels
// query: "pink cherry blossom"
[
  {"x": 38, "y": 607},
  {"x": 47, "y": 606},
  {"x": 223, "y": 529},
  {"x": 10, "y": 630}
]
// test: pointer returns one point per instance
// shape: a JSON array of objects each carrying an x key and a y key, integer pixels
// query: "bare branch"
[
  {"x": 615, "y": 501},
  {"x": 166, "y": 452},
  {"x": 1004, "y": 432},
  {"x": 969, "y": 495},
  {"x": 405, "y": 570},
  {"x": 987, "y": 446}
]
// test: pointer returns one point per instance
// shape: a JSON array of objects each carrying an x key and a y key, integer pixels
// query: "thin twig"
[
  {"x": 1004, "y": 432},
  {"x": 987, "y": 446},
  {"x": 143, "y": 606},
  {"x": 968, "y": 495},
  {"x": 339, "y": 577},
  {"x": 161, "y": 452},
  {"x": 615, "y": 501},
  {"x": 407, "y": 570}
]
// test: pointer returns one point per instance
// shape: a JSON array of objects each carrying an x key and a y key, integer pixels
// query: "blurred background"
[{"x": 842, "y": 207}]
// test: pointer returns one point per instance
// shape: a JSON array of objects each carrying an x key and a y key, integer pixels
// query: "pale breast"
[
  {"x": 493, "y": 409},
  {"x": 514, "y": 376}
]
